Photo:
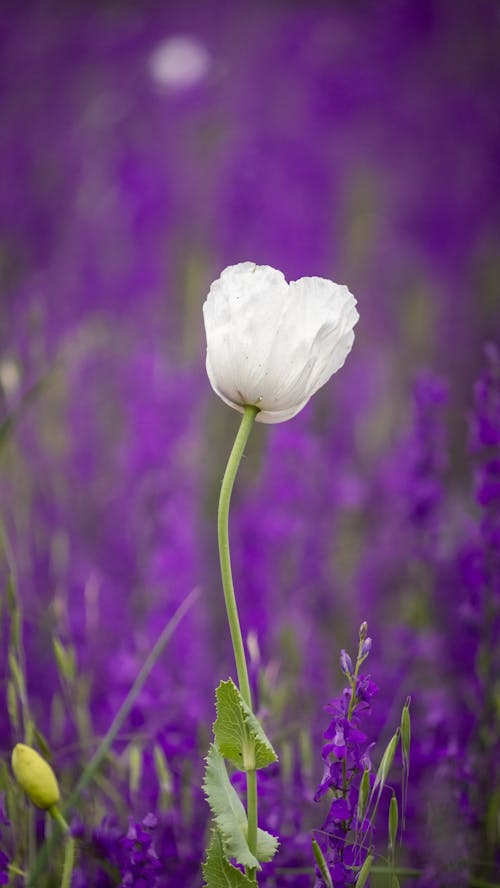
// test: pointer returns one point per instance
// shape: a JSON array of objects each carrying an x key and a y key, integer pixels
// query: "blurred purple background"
[{"x": 143, "y": 147}]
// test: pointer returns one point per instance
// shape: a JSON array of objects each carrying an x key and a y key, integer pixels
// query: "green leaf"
[
  {"x": 267, "y": 845},
  {"x": 364, "y": 792},
  {"x": 386, "y": 762},
  {"x": 65, "y": 659},
  {"x": 42, "y": 743},
  {"x": 393, "y": 825},
  {"x": 135, "y": 765},
  {"x": 383, "y": 771},
  {"x": 12, "y": 706},
  {"x": 364, "y": 872},
  {"x": 17, "y": 678},
  {"x": 228, "y": 810},
  {"x": 238, "y": 734},
  {"x": 230, "y": 815},
  {"x": 405, "y": 750},
  {"x": 164, "y": 778},
  {"x": 406, "y": 731},
  {"x": 218, "y": 872},
  {"x": 322, "y": 865}
]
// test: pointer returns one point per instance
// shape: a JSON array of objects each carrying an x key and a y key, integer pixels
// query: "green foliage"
[
  {"x": 164, "y": 778},
  {"x": 393, "y": 834},
  {"x": 384, "y": 768},
  {"x": 405, "y": 751},
  {"x": 92, "y": 768},
  {"x": 393, "y": 823},
  {"x": 66, "y": 661},
  {"x": 218, "y": 872},
  {"x": 42, "y": 742},
  {"x": 364, "y": 872},
  {"x": 386, "y": 762},
  {"x": 230, "y": 816},
  {"x": 135, "y": 765},
  {"x": 238, "y": 734},
  {"x": 323, "y": 868},
  {"x": 364, "y": 792}
]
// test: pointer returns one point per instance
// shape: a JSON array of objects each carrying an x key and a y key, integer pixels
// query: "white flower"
[{"x": 273, "y": 344}]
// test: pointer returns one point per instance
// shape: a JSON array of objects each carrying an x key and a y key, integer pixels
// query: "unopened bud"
[
  {"x": 366, "y": 647},
  {"x": 363, "y": 631},
  {"x": 35, "y": 776},
  {"x": 345, "y": 663}
]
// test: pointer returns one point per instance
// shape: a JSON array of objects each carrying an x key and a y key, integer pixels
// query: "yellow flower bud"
[{"x": 35, "y": 776}]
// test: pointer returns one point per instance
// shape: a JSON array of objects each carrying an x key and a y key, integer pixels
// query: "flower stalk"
[
  {"x": 69, "y": 846},
  {"x": 249, "y": 414},
  {"x": 224, "y": 552}
]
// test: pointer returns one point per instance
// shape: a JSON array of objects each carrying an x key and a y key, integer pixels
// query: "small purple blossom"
[{"x": 140, "y": 865}]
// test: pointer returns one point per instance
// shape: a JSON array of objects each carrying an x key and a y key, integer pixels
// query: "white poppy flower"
[{"x": 272, "y": 344}]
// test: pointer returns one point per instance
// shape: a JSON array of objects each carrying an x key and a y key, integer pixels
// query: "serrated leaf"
[
  {"x": 230, "y": 816},
  {"x": 218, "y": 872},
  {"x": 228, "y": 810},
  {"x": 267, "y": 845},
  {"x": 239, "y": 735}
]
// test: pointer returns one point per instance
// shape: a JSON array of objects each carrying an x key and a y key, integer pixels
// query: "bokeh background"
[{"x": 144, "y": 147}]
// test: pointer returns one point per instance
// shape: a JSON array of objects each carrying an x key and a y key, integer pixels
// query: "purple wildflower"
[
  {"x": 346, "y": 757},
  {"x": 140, "y": 865}
]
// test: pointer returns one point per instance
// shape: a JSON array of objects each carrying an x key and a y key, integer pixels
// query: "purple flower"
[
  {"x": 340, "y": 809},
  {"x": 346, "y": 755},
  {"x": 365, "y": 689},
  {"x": 4, "y": 868}
]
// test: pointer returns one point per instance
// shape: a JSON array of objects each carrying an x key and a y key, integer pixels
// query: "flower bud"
[
  {"x": 345, "y": 663},
  {"x": 366, "y": 648},
  {"x": 35, "y": 776}
]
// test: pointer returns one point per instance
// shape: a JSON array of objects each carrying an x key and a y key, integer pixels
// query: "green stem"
[
  {"x": 224, "y": 554},
  {"x": 69, "y": 847},
  {"x": 59, "y": 818},
  {"x": 69, "y": 862},
  {"x": 252, "y": 810},
  {"x": 239, "y": 445}
]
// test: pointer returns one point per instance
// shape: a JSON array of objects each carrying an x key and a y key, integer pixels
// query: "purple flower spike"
[{"x": 346, "y": 835}]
